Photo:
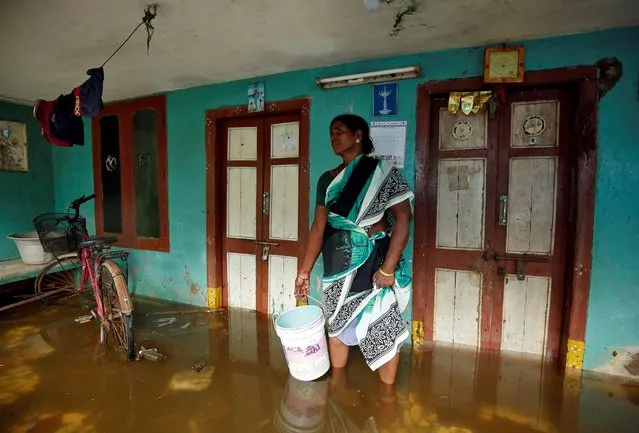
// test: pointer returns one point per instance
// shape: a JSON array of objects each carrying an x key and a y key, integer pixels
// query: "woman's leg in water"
[
  {"x": 338, "y": 352},
  {"x": 388, "y": 371}
]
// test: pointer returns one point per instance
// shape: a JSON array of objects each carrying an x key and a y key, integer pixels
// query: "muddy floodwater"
[{"x": 225, "y": 372}]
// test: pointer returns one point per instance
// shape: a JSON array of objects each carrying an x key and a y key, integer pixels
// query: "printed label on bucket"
[{"x": 298, "y": 354}]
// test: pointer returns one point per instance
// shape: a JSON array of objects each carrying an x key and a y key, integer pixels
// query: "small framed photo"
[{"x": 504, "y": 65}]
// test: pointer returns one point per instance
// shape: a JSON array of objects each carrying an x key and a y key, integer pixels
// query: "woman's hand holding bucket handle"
[{"x": 302, "y": 284}]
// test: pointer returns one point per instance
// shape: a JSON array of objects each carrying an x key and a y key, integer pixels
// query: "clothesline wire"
[
  {"x": 122, "y": 44},
  {"x": 150, "y": 12}
]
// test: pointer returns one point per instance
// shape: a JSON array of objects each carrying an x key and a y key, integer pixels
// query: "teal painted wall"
[
  {"x": 181, "y": 274},
  {"x": 23, "y": 196}
]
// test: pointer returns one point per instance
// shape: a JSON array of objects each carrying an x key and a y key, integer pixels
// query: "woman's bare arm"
[
  {"x": 315, "y": 238},
  {"x": 403, "y": 216}
]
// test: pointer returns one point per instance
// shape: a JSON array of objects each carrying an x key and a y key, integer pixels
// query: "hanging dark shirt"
[{"x": 61, "y": 120}]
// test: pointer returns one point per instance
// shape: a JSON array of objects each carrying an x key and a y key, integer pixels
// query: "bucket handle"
[{"x": 319, "y": 304}]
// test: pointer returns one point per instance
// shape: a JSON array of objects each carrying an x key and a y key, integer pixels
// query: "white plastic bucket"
[
  {"x": 30, "y": 248},
  {"x": 301, "y": 331}
]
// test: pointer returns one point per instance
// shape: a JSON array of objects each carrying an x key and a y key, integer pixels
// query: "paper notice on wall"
[{"x": 389, "y": 139}]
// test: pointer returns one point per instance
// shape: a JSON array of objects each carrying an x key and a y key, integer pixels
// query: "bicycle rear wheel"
[
  {"x": 118, "y": 309},
  {"x": 65, "y": 273}
]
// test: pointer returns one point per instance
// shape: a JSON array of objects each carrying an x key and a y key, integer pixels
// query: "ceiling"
[{"x": 47, "y": 45}]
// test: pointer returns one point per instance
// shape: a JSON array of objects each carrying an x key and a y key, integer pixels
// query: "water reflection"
[
  {"x": 55, "y": 378},
  {"x": 303, "y": 406}
]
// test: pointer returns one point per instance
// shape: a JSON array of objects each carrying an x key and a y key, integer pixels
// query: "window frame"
[{"x": 125, "y": 111}]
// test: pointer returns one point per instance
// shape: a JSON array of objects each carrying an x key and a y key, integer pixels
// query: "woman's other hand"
[{"x": 384, "y": 279}]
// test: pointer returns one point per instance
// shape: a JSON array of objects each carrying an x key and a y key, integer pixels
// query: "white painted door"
[
  {"x": 533, "y": 197},
  {"x": 282, "y": 218},
  {"x": 496, "y": 223},
  {"x": 244, "y": 171},
  {"x": 266, "y": 205},
  {"x": 460, "y": 160}
]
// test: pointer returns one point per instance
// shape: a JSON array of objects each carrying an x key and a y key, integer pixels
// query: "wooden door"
[
  {"x": 532, "y": 225},
  {"x": 244, "y": 167},
  {"x": 265, "y": 212},
  {"x": 497, "y": 222},
  {"x": 283, "y": 220},
  {"x": 462, "y": 167}
]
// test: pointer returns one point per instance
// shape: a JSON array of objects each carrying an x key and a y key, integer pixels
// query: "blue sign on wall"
[{"x": 385, "y": 99}]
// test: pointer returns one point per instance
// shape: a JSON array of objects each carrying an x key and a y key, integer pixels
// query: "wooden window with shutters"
[{"x": 130, "y": 173}]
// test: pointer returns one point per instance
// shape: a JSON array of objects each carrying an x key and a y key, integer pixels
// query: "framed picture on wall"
[
  {"x": 13, "y": 146},
  {"x": 504, "y": 65},
  {"x": 385, "y": 99}
]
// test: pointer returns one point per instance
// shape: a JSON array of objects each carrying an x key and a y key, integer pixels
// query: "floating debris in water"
[
  {"x": 165, "y": 321},
  {"x": 150, "y": 354},
  {"x": 198, "y": 366},
  {"x": 84, "y": 319}
]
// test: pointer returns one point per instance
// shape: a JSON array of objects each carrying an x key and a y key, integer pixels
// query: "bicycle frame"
[
  {"x": 90, "y": 262},
  {"x": 90, "y": 266}
]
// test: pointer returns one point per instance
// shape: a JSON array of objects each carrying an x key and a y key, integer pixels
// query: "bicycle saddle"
[{"x": 97, "y": 241}]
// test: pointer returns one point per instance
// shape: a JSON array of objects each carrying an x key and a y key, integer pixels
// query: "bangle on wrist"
[
  {"x": 303, "y": 275},
  {"x": 381, "y": 271}
]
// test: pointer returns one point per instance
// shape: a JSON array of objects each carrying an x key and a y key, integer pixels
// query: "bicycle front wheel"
[{"x": 117, "y": 306}]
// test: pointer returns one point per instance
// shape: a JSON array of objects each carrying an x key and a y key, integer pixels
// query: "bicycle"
[{"x": 80, "y": 259}]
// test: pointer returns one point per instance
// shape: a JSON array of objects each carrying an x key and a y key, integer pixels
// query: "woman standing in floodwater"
[{"x": 362, "y": 220}]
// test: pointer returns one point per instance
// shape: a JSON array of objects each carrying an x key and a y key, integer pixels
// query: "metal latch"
[
  {"x": 503, "y": 210},
  {"x": 266, "y": 203},
  {"x": 270, "y": 244},
  {"x": 266, "y": 248},
  {"x": 521, "y": 262},
  {"x": 521, "y": 275}
]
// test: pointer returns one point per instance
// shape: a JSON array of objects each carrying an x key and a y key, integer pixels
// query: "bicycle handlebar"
[{"x": 75, "y": 204}]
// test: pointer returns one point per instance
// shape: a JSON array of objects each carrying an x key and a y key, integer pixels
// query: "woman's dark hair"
[{"x": 355, "y": 123}]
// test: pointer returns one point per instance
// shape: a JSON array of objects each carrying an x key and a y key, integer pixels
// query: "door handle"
[
  {"x": 270, "y": 244},
  {"x": 503, "y": 210}
]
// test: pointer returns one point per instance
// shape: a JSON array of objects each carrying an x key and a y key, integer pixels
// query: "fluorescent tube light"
[{"x": 369, "y": 77}]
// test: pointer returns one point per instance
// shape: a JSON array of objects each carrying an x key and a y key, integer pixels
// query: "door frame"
[
  {"x": 584, "y": 80},
  {"x": 217, "y": 294}
]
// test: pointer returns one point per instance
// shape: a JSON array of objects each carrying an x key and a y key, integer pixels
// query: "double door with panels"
[
  {"x": 263, "y": 227},
  {"x": 497, "y": 220}
]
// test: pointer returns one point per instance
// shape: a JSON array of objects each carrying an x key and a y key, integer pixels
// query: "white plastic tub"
[{"x": 30, "y": 248}]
